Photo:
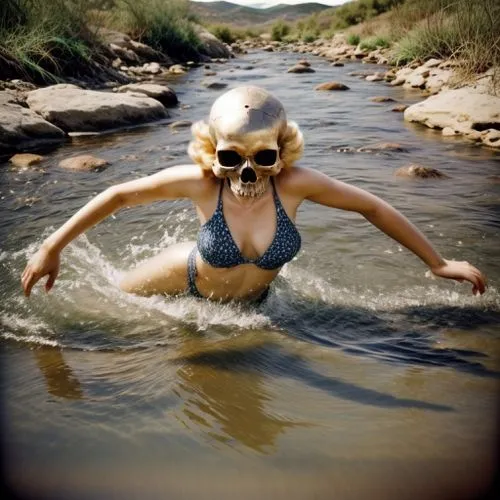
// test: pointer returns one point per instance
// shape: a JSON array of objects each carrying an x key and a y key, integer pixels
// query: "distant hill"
[{"x": 230, "y": 13}]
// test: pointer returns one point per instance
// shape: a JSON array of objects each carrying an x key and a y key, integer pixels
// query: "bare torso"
[{"x": 252, "y": 223}]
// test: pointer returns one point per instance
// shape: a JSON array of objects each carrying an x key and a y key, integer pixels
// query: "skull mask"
[{"x": 245, "y": 124}]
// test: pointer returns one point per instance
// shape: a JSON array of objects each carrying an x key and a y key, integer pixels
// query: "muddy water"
[{"x": 360, "y": 377}]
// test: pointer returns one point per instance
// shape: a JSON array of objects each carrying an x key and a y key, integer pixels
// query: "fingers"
[{"x": 50, "y": 281}]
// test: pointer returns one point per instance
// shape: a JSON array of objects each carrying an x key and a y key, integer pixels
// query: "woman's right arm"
[{"x": 174, "y": 182}]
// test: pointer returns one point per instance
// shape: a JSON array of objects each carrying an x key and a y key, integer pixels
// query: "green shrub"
[
  {"x": 309, "y": 37},
  {"x": 223, "y": 32},
  {"x": 464, "y": 31},
  {"x": 165, "y": 26},
  {"x": 374, "y": 43},
  {"x": 44, "y": 41},
  {"x": 279, "y": 30},
  {"x": 353, "y": 39}
]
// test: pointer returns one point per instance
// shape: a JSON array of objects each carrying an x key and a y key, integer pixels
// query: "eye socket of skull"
[
  {"x": 229, "y": 158},
  {"x": 266, "y": 157}
]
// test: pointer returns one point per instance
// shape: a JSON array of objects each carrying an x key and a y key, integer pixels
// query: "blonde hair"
[{"x": 202, "y": 148}]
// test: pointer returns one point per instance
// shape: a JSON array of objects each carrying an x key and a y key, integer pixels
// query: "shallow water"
[{"x": 360, "y": 376}]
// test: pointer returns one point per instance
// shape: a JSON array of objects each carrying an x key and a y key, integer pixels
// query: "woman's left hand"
[{"x": 461, "y": 271}]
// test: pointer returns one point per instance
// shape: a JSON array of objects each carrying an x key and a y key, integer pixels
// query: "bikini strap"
[
  {"x": 277, "y": 200},
  {"x": 219, "y": 201}
]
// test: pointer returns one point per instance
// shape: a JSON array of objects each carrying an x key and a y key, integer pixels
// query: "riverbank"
[{"x": 33, "y": 117}]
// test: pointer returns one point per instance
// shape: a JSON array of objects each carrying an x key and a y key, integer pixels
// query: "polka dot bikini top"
[{"x": 217, "y": 247}]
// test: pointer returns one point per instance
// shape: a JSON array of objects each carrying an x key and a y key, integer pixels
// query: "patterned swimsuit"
[{"x": 217, "y": 247}]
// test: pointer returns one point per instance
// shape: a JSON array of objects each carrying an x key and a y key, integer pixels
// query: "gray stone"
[
  {"x": 83, "y": 163},
  {"x": 76, "y": 110},
  {"x": 22, "y": 128}
]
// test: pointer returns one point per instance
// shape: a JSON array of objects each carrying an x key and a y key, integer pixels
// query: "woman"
[{"x": 246, "y": 193}]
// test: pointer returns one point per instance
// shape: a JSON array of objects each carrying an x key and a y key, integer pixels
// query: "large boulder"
[
  {"x": 21, "y": 128},
  {"x": 211, "y": 45},
  {"x": 462, "y": 110},
  {"x": 76, "y": 110}
]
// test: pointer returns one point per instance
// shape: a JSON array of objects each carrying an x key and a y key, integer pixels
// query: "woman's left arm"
[{"x": 324, "y": 190}]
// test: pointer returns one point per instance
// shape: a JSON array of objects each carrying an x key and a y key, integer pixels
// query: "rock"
[
  {"x": 268, "y": 48},
  {"x": 381, "y": 147},
  {"x": 377, "y": 77},
  {"x": 381, "y": 98},
  {"x": 24, "y": 160},
  {"x": 492, "y": 138},
  {"x": 214, "y": 85},
  {"x": 210, "y": 73},
  {"x": 83, "y": 163},
  {"x": 22, "y": 128},
  {"x": 76, "y": 110},
  {"x": 432, "y": 63},
  {"x": 459, "y": 109},
  {"x": 180, "y": 124},
  {"x": 177, "y": 69},
  {"x": 448, "y": 132},
  {"x": 401, "y": 76},
  {"x": 415, "y": 171},
  {"x": 145, "y": 51},
  {"x": 331, "y": 86},
  {"x": 300, "y": 68},
  {"x": 417, "y": 78},
  {"x": 153, "y": 68},
  {"x": 211, "y": 45},
  {"x": 437, "y": 79},
  {"x": 399, "y": 108},
  {"x": 304, "y": 62},
  {"x": 161, "y": 93},
  {"x": 359, "y": 53},
  {"x": 337, "y": 64},
  {"x": 362, "y": 74}
]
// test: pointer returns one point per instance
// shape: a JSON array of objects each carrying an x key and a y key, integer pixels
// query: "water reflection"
[
  {"x": 59, "y": 377},
  {"x": 226, "y": 392}
]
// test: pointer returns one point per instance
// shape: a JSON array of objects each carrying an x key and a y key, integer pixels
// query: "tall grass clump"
[
  {"x": 223, "y": 32},
  {"x": 279, "y": 30},
  {"x": 462, "y": 30},
  {"x": 377, "y": 42},
  {"x": 167, "y": 26},
  {"x": 353, "y": 39},
  {"x": 45, "y": 41}
]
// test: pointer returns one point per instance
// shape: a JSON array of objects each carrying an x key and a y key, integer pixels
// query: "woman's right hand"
[{"x": 44, "y": 262}]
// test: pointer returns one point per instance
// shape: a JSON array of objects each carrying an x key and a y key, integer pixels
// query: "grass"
[
  {"x": 462, "y": 30},
  {"x": 377, "y": 42},
  {"x": 353, "y": 39},
  {"x": 165, "y": 26},
  {"x": 44, "y": 41},
  {"x": 279, "y": 30}
]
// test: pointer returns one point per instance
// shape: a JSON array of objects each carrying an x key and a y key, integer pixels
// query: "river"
[{"x": 361, "y": 377}]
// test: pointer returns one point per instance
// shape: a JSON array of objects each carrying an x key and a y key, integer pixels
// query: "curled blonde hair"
[{"x": 202, "y": 148}]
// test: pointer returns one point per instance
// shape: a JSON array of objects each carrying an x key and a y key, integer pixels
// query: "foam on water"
[{"x": 86, "y": 299}]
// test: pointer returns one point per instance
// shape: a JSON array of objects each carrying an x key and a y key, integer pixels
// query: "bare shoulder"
[
  {"x": 300, "y": 182},
  {"x": 180, "y": 181}
]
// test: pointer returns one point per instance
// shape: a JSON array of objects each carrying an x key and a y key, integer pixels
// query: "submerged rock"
[
  {"x": 22, "y": 128},
  {"x": 331, "y": 86},
  {"x": 381, "y": 98},
  {"x": 214, "y": 85},
  {"x": 300, "y": 68},
  {"x": 400, "y": 108},
  {"x": 383, "y": 146},
  {"x": 76, "y": 110},
  {"x": 180, "y": 124},
  {"x": 24, "y": 160},
  {"x": 416, "y": 171},
  {"x": 83, "y": 163}
]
